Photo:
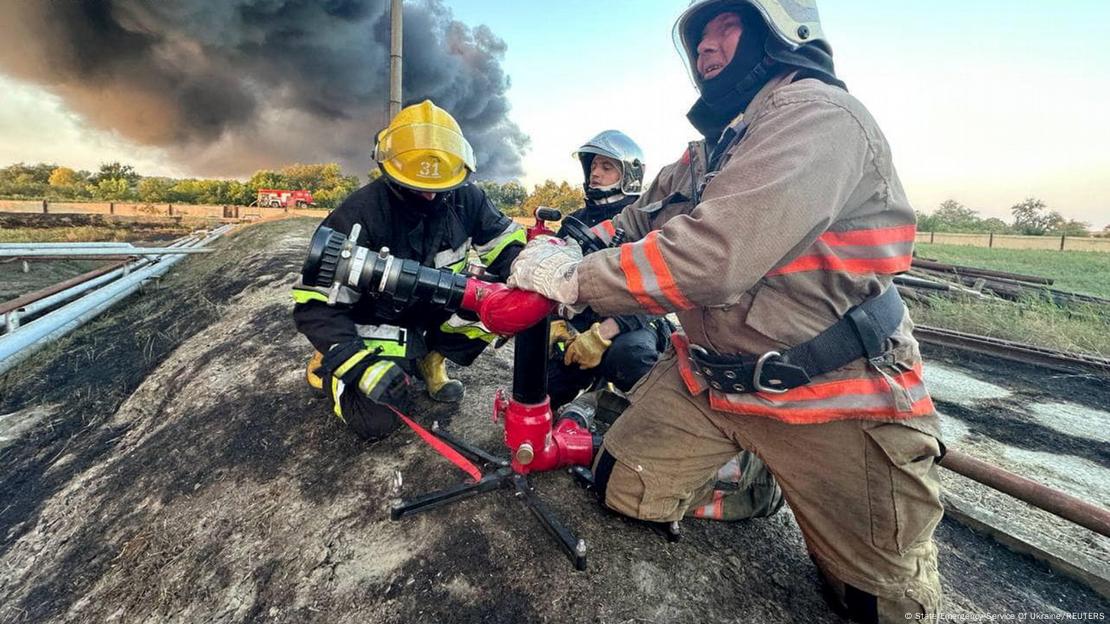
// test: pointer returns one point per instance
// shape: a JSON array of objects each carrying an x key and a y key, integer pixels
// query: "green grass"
[
  {"x": 1075, "y": 328},
  {"x": 1077, "y": 271}
]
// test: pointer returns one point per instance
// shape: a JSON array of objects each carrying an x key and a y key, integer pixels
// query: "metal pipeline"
[
  {"x": 22, "y": 342},
  {"x": 30, "y": 305},
  {"x": 1040, "y": 496}
]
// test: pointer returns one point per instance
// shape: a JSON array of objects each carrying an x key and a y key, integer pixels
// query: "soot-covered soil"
[{"x": 175, "y": 467}]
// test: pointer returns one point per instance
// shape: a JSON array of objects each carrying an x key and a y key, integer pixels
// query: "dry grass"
[
  {"x": 83, "y": 233},
  {"x": 1074, "y": 328}
]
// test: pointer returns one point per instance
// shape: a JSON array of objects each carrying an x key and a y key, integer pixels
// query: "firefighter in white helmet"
[
  {"x": 422, "y": 208},
  {"x": 589, "y": 347},
  {"x": 775, "y": 241}
]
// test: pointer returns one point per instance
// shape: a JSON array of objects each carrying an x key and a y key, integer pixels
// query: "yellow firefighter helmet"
[{"x": 424, "y": 149}]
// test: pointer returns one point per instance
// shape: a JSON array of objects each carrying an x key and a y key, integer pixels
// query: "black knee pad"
[
  {"x": 854, "y": 604},
  {"x": 371, "y": 420},
  {"x": 603, "y": 469}
]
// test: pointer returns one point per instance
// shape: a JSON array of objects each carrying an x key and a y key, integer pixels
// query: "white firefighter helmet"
[
  {"x": 621, "y": 148},
  {"x": 793, "y": 22}
]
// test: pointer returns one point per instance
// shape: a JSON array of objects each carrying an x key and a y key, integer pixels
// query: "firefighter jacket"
[
  {"x": 465, "y": 221},
  {"x": 802, "y": 218}
]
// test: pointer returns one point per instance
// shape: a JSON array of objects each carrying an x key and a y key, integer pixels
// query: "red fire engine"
[{"x": 275, "y": 198}]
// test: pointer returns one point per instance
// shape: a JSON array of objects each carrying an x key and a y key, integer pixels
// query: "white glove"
[{"x": 549, "y": 267}]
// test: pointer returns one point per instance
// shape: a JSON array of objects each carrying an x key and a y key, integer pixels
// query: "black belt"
[{"x": 862, "y": 332}]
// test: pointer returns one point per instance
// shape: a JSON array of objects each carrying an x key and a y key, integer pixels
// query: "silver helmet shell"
[
  {"x": 618, "y": 146},
  {"x": 794, "y": 22}
]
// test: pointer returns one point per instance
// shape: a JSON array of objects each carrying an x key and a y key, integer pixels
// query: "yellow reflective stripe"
[
  {"x": 304, "y": 296},
  {"x": 458, "y": 266},
  {"x": 335, "y": 394},
  {"x": 350, "y": 363},
  {"x": 373, "y": 375},
  {"x": 470, "y": 331},
  {"x": 388, "y": 348},
  {"x": 516, "y": 236}
]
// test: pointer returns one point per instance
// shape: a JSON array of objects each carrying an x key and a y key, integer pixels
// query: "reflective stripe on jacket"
[{"x": 804, "y": 219}]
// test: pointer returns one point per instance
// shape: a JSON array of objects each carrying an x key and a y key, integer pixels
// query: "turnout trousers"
[{"x": 865, "y": 493}]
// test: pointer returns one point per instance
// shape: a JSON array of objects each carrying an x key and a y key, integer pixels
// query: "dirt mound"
[{"x": 175, "y": 467}]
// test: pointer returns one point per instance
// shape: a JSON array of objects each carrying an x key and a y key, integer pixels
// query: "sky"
[{"x": 985, "y": 102}]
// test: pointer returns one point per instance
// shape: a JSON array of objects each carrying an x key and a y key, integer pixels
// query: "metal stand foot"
[{"x": 501, "y": 476}]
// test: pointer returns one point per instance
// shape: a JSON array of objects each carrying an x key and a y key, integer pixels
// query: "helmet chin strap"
[{"x": 604, "y": 194}]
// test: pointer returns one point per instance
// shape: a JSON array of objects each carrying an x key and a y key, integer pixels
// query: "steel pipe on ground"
[
  {"x": 21, "y": 343},
  {"x": 42, "y": 293},
  {"x": 30, "y": 305},
  {"x": 1040, "y": 496}
]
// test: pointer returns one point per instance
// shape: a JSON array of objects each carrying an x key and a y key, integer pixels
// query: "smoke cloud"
[{"x": 231, "y": 86}]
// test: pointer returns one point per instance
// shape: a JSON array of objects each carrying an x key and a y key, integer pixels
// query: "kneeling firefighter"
[
  {"x": 588, "y": 348},
  {"x": 422, "y": 208},
  {"x": 775, "y": 242}
]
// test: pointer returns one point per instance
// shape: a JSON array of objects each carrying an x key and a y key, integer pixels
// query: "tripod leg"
[
  {"x": 574, "y": 548},
  {"x": 401, "y": 508}
]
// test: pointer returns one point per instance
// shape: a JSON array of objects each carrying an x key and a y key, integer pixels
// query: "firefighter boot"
[
  {"x": 312, "y": 371},
  {"x": 433, "y": 368}
]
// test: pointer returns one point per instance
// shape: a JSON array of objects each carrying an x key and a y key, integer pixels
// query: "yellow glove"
[
  {"x": 561, "y": 332},
  {"x": 587, "y": 349}
]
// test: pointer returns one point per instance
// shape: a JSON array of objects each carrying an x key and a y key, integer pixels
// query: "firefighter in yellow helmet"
[
  {"x": 775, "y": 241},
  {"x": 422, "y": 208}
]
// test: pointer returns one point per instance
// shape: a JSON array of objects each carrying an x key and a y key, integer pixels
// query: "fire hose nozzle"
[{"x": 335, "y": 261}]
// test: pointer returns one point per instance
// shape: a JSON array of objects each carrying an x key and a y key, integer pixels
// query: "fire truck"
[{"x": 275, "y": 198}]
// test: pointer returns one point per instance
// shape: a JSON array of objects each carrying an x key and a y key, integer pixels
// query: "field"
[
  {"x": 1083, "y": 328},
  {"x": 1076, "y": 271}
]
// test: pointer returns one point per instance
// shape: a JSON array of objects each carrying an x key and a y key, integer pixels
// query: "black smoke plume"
[{"x": 230, "y": 86}]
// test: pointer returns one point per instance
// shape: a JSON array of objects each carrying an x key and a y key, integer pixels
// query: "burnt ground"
[
  {"x": 1048, "y": 426},
  {"x": 175, "y": 467}
]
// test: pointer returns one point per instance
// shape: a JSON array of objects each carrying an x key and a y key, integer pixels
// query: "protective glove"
[
  {"x": 587, "y": 349},
  {"x": 561, "y": 333},
  {"x": 362, "y": 388},
  {"x": 548, "y": 265}
]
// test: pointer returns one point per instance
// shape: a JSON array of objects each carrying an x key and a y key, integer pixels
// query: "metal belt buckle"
[{"x": 758, "y": 374}]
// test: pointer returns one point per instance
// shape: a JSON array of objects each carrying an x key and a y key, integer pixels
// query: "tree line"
[
  {"x": 1031, "y": 218},
  {"x": 117, "y": 181}
]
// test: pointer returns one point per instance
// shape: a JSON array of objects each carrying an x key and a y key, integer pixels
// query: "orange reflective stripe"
[
  {"x": 880, "y": 251},
  {"x": 605, "y": 226},
  {"x": 635, "y": 281},
  {"x": 828, "y": 262},
  {"x": 878, "y": 236},
  {"x": 713, "y": 510},
  {"x": 814, "y": 416},
  {"x": 695, "y": 384},
  {"x": 663, "y": 275}
]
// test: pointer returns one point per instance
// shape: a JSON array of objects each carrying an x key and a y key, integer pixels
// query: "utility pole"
[{"x": 395, "y": 14}]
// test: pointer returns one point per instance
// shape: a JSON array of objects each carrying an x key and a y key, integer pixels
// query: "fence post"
[
  {"x": 990, "y": 241},
  {"x": 171, "y": 209},
  {"x": 931, "y": 234},
  {"x": 1062, "y": 237},
  {"x": 111, "y": 207}
]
